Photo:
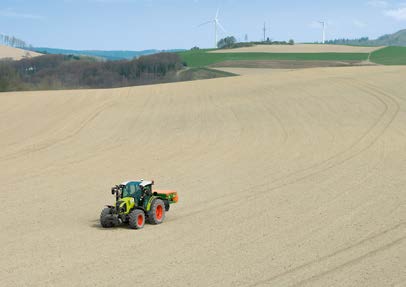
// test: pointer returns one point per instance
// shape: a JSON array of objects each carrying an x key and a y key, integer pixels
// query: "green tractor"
[{"x": 137, "y": 203}]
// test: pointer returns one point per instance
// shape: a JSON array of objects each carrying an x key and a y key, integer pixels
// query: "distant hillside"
[
  {"x": 7, "y": 52},
  {"x": 55, "y": 72},
  {"x": 396, "y": 39},
  {"x": 108, "y": 55}
]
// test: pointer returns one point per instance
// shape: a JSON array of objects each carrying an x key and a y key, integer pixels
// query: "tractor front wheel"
[
  {"x": 136, "y": 219},
  {"x": 107, "y": 218},
  {"x": 156, "y": 214}
]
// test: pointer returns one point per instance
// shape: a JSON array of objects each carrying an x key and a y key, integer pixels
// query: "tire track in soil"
[
  {"x": 391, "y": 108},
  {"x": 353, "y": 254},
  {"x": 44, "y": 145},
  {"x": 368, "y": 139}
]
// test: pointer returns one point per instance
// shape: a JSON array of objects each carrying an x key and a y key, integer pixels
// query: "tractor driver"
[{"x": 146, "y": 190}]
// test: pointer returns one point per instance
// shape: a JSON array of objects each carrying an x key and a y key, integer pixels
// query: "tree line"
[
  {"x": 49, "y": 72},
  {"x": 360, "y": 41},
  {"x": 231, "y": 42},
  {"x": 13, "y": 41}
]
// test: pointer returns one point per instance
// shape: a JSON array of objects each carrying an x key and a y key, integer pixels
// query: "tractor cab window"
[
  {"x": 147, "y": 189},
  {"x": 131, "y": 190}
]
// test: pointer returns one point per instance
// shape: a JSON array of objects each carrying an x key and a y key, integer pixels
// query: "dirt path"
[{"x": 286, "y": 178}]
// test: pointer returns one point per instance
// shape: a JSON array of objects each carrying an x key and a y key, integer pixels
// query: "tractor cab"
[
  {"x": 134, "y": 189},
  {"x": 137, "y": 202}
]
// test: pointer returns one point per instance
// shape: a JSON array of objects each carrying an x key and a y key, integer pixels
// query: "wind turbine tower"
[
  {"x": 217, "y": 25},
  {"x": 264, "y": 29},
  {"x": 323, "y": 23}
]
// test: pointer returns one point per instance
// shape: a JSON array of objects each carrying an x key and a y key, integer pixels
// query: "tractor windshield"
[{"x": 131, "y": 189}]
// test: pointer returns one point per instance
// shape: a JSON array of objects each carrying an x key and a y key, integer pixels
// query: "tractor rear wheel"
[
  {"x": 136, "y": 219},
  {"x": 156, "y": 214},
  {"x": 107, "y": 218}
]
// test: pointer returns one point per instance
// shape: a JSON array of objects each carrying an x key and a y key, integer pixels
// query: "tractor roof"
[
  {"x": 140, "y": 182},
  {"x": 127, "y": 182},
  {"x": 146, "y": 182}
]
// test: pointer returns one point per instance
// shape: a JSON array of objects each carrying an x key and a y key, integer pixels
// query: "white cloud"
[
  {"x": 395, "y": 11},
  {"x": 378, "y": 3},
  {"x": 397, "y": 14},
  {"x": 10, "y": 13}
]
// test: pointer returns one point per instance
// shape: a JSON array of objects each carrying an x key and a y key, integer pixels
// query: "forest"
[{"x": 50, "y": 72}]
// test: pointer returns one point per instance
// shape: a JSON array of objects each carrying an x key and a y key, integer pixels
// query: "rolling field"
[
  {"x": 204, "y": 58},
  {"x": 15, "y": 53},
  {"x": 290, "y": 178},
  {"x": 390, "y": 56},
  {"x": 300, "y": 48}
]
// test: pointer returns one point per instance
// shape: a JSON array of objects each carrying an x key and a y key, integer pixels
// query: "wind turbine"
[
  {"x": 217, "y": 24},
  {"x": 324, "y": 30}
]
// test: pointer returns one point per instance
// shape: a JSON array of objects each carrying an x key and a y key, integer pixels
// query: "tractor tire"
[
  {"x": 136, "y": 219},
  {"x": 167, "y": 205},
  {"x": 107, "y": 219},
  {"x": 156, "y": 214}
]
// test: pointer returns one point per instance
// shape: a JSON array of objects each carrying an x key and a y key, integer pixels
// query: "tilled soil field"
[{"x": 294, "y": 178}]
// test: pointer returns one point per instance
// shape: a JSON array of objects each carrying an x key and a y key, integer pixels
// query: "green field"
[
  {"x": 191, "y": 74},
  {"x": 390, "y": 56},
  {"x": 202, "y": 58}
]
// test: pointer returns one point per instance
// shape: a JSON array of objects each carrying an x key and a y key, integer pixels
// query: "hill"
[
  {"x": 201, "y": 58},
  {"x": 295, "y": 56},
  {"x": 293, "y": 178},
  {"x": 389, "y": 56},
  {"x": 55, "y": 72},
  {"x": 107, "y": 55},
  {"x": 298, "y": 48},
  {"x": 395, "y": 39},
  {"x": 7, "y": 52}
]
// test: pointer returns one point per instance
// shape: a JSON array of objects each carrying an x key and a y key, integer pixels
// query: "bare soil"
[
  {"x": 291, "y": 178},
  {"x": 7, "y": 52},
  {"x": 288, "y": 64}
]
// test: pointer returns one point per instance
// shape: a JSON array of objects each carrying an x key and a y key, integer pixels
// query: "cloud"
[
  {"x": 10, "y": 13},
  {"x": 378, "y": 3},
  {"x": 394, "y": 11},
  {"x": 397, "y": 14}
]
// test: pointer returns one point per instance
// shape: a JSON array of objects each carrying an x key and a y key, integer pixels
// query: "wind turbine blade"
[
  {"x": 217, "y": 14},
  {"x": 205, "y": 23},
  {"x": 221, "y": 27}
]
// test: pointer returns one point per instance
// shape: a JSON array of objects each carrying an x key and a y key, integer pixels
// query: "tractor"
[{"x": 137, "y": 203}]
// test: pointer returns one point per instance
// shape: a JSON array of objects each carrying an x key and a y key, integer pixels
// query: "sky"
[{"x": 173, "y": 24}]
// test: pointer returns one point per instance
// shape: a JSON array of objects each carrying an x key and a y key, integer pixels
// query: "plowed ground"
[{"x": 293, "y": 178}]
